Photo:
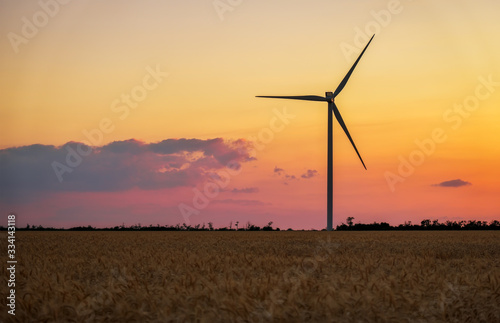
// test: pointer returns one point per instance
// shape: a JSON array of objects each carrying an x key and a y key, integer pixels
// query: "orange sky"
[{"x": 75, "y": 65}]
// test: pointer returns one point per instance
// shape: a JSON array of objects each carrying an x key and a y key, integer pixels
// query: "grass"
[{"x": 256, "y": 277}]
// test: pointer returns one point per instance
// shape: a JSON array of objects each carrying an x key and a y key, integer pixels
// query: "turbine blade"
[
  {"x": 342, "y": 124},
  {"x": 298, "y": 97},
  {"x": 346, "y": 78}
]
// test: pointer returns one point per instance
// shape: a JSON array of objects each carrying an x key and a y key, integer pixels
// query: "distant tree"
[
  {"x": 349, "y": 220},
  {"x": 251, "y": 227},
  {"x": 236, "y": 224},
  {"x": 385, "y": 226},
  {"x": 268, "y": 227},
  {"x": 210, "y": 226},
  {"x": 471, "y": 224},
  {"x": 341, "y": 227},
  {"x": 425, "y": 223}
]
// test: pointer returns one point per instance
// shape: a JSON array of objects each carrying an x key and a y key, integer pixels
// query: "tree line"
[
  {"x": 138, "y": 227},
  {"x": 426, "y": 224}
]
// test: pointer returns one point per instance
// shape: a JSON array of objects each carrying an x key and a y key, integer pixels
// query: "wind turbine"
[{"x": 332, "y": 107}]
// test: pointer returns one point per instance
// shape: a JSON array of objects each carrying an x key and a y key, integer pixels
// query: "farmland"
[{"x": 256, "y": 276}]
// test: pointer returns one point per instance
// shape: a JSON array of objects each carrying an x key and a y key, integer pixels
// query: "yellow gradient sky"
[{"x": 426, "y": 58}]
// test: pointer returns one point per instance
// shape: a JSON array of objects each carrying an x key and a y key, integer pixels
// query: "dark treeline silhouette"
[
  {"x": 350, "y": 226},
  {"x": 138, "y": 227},
  {"x": 426, "y": 224}
]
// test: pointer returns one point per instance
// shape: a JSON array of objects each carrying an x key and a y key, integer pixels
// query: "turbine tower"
[{"x": 332, "y": 107}]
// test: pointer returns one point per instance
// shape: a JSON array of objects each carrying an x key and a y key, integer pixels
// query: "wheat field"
[{"x": 256, "y": 277}]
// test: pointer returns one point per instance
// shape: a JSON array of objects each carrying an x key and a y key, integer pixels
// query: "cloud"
[
  {"x": 289, "y": 177},
  {"x": 223, "y": 152},
  {"x": 118, "y": 166},
  {"x": 278, "y": 170},
  {"x": 245, "y": 190},
  {"x": 309, "y": 174},
  {"x": 453, "y": 183}
]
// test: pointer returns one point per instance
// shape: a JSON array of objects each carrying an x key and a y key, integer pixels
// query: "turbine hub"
[{"x": 329, "y": 96}]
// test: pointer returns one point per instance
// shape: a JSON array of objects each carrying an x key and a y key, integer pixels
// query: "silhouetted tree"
[
  {"x": 268, "y": 227},
  {"x": 253, "y": 228}
]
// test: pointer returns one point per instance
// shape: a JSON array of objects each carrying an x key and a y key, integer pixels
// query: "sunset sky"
[{"x": 145, "y": 112}]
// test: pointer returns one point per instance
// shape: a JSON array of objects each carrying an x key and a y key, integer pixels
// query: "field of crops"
[{"x": 256, "y": 277}]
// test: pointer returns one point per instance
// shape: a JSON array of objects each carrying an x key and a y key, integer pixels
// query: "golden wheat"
[{"x": 256, "y": 277}]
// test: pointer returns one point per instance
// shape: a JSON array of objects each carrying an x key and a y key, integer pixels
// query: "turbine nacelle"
[{"x": 329, "y": 96}]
